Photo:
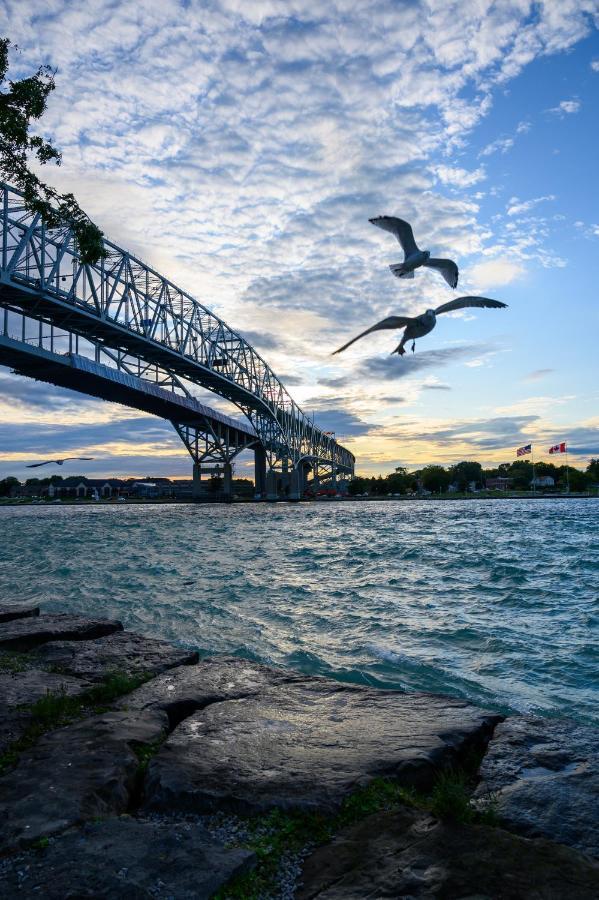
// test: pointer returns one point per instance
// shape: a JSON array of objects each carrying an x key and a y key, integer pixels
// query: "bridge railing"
[{"x": 125, "y": 296}]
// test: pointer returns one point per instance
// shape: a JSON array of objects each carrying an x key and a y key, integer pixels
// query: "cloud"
[
  {"x": 459, "y": 177},
  {"x": 436, "y": 387},
  {"x": 501, "y": 145},
  {"x": 566, "y": 107},
  {"x": 595, "y": 65},
  {"x": 495, "y": 272},
  {"x": 518, "y": 207},
  {"x": 390, "y": 368},
  {"x": 538, "y": 374}
]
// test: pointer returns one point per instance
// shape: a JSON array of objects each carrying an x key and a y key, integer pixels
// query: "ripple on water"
[{"x": 394, "y": 594}]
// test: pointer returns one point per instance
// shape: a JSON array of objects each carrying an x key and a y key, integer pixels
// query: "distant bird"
[
  {"x": 413, "y": 256},
  {"x": 59, "y": 462},
  {"x": 418, "y": 326}
]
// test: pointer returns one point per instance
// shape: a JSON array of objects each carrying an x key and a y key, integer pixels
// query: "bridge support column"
[
  {"x": 296, "y": 486},
  {"x": 260, "y": 472},
  {"x": 196, "y": 489},
  {"x": 228, "y": 481},
  {"x": 271, "y": 485}
]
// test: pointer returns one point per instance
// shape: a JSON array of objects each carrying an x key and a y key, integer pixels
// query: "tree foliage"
[{"x": 22, "y": 103}]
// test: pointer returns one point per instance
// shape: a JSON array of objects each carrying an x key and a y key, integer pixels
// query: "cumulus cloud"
[
  {"x": 495, "y": 273},
  {"x": 566, "y": 107},
  {"x": 391, "y": 368},
  {"x": 595, "y": 65},
  {"x": 518, "y": 207},
  {"x": 459, "y": 177},
  {"x": 501, "y": 145}
]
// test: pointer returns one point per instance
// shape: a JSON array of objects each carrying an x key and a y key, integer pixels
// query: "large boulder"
[
  {"x": 309, "y": 744},
  {"x": 543, "y": 777},
  {"x": 122, "y": 651},
  {"x": 185, "y": 690},
  {"x": 76, "y": 773},
  {"x": 24, "y": 634},
  {"x": 128, "y": 858},
  {"x": 408, "y": 854}
]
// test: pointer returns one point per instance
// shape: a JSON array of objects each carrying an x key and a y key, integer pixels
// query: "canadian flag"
[{"x": 558, "y": 448}]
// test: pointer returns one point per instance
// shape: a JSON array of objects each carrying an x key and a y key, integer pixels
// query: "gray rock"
[
  {"x": 543, "y": 776},
  {"x": 128, "y": 858},
  {"x": 183, "y": 691},
  {"x": 25, "y": 634},
  {"x": 19, "y": 688},
  {"x": 122, "y": 651},
  {"x": 76, "y": 773},
  {"x": 11, "y": 611},
  {"x": 13, "y": 725},
  {"x": 407, "y": 854},
  {"x": 308, "y": 744}
]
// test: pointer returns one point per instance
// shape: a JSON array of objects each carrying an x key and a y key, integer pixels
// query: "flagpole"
[
  {"x": 567, "y": 472},
  {"x": 534, "y": 486}
]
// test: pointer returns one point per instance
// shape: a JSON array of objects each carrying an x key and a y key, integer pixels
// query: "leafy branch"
[{"x": 21, "y": 103}]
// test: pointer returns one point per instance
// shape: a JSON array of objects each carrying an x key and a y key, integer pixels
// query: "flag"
[
  {"x": 558, "y": 448},
  {"x": 522, "y": 451}
]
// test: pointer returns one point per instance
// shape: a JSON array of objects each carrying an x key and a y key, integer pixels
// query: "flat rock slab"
[
  {"x": 122, "y": 651},
  {"x": 19, "y": 688},
  {"x": 308, "y": 745},
  {"x": 11, "y": 611},
  {"x": 74, "y": 774},
  {"x": 543, "y": 776},
  {"x": 407, "y": 854},
  {"x": 213, "y": 680},
  {"x": 24, "y": 634},
  {"x": 128, "y": 858}
]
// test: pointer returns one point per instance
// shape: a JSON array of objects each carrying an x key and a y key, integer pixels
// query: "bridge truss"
[{"x": 127, "y": 318}]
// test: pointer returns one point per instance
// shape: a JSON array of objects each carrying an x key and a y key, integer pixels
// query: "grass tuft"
[{"x": 57, "y": 709}]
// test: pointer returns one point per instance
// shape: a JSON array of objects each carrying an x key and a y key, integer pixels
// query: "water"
[{"x": 494, "y": 601}]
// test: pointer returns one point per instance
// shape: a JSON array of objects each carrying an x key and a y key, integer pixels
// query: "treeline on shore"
[{"x": 470, "y": 476}]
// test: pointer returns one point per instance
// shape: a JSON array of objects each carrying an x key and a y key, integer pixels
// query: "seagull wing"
[
  {"x": 465, "y": 302},
  {"x": 391, "y": 322},
  {"x": 447, "y": 268},
  {"x": 401, "y": 229},
  {"x": 37, "y": 465}
]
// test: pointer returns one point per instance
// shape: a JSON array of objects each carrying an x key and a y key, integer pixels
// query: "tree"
[
  {"x": 466, "y": 472},
  {"x": 8, "y": 486},
  {"x": 593, "y": 470},
  {"x": 21, "y": 103},
  {"x": 435, "y": 478}
]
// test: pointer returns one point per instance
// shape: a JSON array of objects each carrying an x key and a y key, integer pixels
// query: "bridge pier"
[
  {"x": 272, "y": 492},
  {"x": 196, "y": 489},
  {"x": 228, "y": 481},
  {"x": 259, "y": 471}
]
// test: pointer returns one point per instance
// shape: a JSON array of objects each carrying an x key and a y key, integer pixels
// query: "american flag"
[
  {"x": 558, "y": 448},
  {"x": 522, "y": 451}
]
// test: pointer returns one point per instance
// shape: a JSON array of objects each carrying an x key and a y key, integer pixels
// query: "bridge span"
[{"x": 121, "y": 331}]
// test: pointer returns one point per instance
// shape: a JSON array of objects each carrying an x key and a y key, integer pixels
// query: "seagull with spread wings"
[
  {"x": 59, "y": 462},
  {"x": 418, "y": 326},
  {"x": 414, "y": 257}
]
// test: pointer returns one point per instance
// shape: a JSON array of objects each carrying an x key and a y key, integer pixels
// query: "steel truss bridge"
[{"x": 120, "y": 331}]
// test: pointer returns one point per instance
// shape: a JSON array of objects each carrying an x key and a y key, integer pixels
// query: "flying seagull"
[
  {"x": 59, "y": 462},
  {"x": 413, "y": 256},
  {"x": 418, "y": 326}
]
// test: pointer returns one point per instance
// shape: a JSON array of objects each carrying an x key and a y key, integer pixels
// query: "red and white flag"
[{"x": 558, "y": 448}]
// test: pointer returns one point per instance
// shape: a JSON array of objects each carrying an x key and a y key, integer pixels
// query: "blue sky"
[{"x": 242, "y": 147}]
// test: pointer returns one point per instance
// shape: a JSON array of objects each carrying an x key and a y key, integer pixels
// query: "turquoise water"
[{"x": 495, "y": 601}]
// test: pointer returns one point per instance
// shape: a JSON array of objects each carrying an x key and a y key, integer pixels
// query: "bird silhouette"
[
  {"x": 414, "y": 257},
  {"x": 418, "y": 326},
  {"x": 59, "y": 462}
]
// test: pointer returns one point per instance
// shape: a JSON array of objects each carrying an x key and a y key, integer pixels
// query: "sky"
[{"x": 241, "y": 147}]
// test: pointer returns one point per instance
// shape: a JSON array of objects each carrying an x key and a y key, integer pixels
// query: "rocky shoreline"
[{"x": 130, "y": 768}]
